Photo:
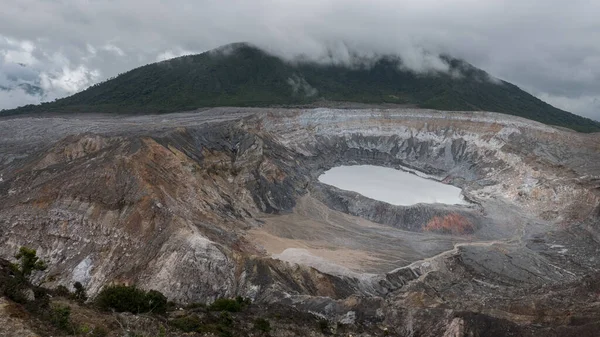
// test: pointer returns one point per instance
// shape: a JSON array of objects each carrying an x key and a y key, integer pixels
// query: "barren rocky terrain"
[{"x": 226, "y": 201}]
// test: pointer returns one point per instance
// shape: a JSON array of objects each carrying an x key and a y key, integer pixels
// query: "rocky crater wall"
[{"x": 168, "y": 202}]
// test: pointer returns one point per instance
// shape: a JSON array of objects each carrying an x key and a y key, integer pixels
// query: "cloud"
[
  {"x": 15, "y": 51},
  {"x": 588, "y": 106},
  {"x": 68, "y": 80},
  {"x": 29, "y": 75},
  {"x": 544, "y": 46},
  {"x": 301, "y": 87},
  {"x": 16, "y": 97},
  {"x": 169, "y": 54},
  {"x": 11, "y": 72},
  {"x": 112, "y": 48}
]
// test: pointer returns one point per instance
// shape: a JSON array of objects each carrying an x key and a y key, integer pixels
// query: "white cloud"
[
  {"x": 548, "y": 46},
  {"x": 114, "y": 49},
  {"x": 15, "y": 51},
  {"x": 169, "y": 54},
  {"x": 588, "y": 106},
  {"x": 16, "y": 97},
  {"x": 22, "y": 63},
  {"x": 91, "y": 49},
  {"x": 68, "y": 80}
]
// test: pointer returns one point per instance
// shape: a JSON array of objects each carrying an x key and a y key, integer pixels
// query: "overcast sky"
[{"x": 550, "y": 48}]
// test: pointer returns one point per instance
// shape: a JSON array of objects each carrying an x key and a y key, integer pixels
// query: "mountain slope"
[{"x": 247, "y": 76}]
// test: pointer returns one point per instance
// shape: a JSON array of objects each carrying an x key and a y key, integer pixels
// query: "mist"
[{"x": 548, "y": 48}]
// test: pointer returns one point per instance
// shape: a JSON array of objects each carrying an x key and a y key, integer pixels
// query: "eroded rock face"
[{"x": 198, "y": 205}]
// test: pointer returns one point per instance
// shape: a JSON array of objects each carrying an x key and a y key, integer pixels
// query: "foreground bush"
[
  {"x": 262, "y": 324},
  {"x": 230, "y": 305},
  {"x": 60, "y": 317},
  {"x": 156, "y": 302},
  {"x": 187, "y": 323},
  {"x": 122, "y": 298},
  {"x": 222, "y": 325}
]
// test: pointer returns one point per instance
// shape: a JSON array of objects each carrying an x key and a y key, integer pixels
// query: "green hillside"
[{"x": 247, "y": 76}]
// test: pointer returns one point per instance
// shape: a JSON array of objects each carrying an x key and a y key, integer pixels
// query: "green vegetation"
[
  {"x": 247, "y": 76},
  {"x": 204, "y": 319},
  {"x": 61, "y": 291},
  {"x": 122, "y": 298},
  {"x": 60, "y": 317},
  {"x": 195, "y": 305},
  {"x": 29, "y": 262},
  {"x": 35, "y": 300},
  {"x": 221, "y": 325},
  {"x": 92, "y": 331},
  {"x": 53, "y": 317},
  {"x": 189, "y": 323},
  {"x": 323, "y": 326},
  {"x": 230, "y": 305},
  {"x": 156, "y": 302},
  {"x": 80, "y": 295},
  {"x": 66, "y": 313},
  {"x": 261, "y": 324},
  {"x": 17, "y": 287}
]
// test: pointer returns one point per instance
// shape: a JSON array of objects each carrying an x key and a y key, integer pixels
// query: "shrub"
[
  {"x": 92, "y": 331},
  {"x": 84, "y": 329},
  {"x": 162, "y": 331},
  {"x": 14, "y": 289},
  {"x": 230, "y": 305},
  {"x": 323, "y": 326},
  {"x": 195, "y": 305},
  {"x": 80, "y": 294},
  {"x": 122, "y": 298},
  {"x": 262, "y": 324},
  {"x": 225, "y": 325},
  {"x": 187, "y": 323},
  {"x": 40, "y": 304},
  {"x": 225, "y": 319},
  {"x": 156, "y": 302},
  {"x": 225, "y": 304},
  {"x": 15, "y": 284},
  {"x": 61, "y": 291},
  {"x": 29, "y": 261},
  {"x": 221, "y": 326},
  {"x": 60, "y": 317},
  {"x": 244, "y": 301},
  {"x": 42, "y": 299}
]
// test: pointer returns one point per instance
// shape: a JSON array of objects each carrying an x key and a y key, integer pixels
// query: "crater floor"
[{"x": 343, "y": 244}]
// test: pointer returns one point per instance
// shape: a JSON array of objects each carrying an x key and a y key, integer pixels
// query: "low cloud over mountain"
[{"x": 549, "y": 48}]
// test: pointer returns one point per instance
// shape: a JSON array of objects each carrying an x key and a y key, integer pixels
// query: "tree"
[
  {"x": 156, "y": 302},
  {"x": 121, "y": 298},
  {"x": 29, "y": 261},
  {"x": 79, "y": 294}
]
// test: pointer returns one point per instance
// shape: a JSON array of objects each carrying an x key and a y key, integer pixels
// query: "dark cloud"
[{"x": 548, "y": 47}]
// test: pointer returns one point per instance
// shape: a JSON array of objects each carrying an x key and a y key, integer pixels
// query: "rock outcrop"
[{"x": 226, "y": 202}]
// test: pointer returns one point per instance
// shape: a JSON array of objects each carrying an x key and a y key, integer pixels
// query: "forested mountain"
[{"x": 248, "y": 76}]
